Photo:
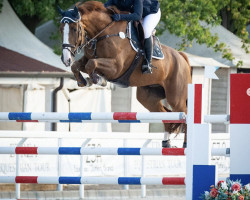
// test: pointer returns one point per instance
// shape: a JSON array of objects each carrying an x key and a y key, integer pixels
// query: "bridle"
[
  {"x": 76, "y": 48},
  {"x": 90, "y": 43}
]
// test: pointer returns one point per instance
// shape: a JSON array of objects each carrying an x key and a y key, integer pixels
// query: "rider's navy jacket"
[{"x": 137, "y": 8}]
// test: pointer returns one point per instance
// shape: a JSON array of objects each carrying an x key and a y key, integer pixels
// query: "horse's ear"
[
  {"x": 61, "y": 12},
  {"x": 75, "y": 11}
]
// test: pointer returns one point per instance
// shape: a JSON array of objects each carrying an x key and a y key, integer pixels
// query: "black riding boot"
[{"x": 148, "y": 49}]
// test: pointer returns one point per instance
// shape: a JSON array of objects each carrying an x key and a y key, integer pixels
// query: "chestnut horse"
[{"x": 109, "y": 57}]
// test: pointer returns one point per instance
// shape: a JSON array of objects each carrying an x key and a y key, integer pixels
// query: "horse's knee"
[
  {"x": 75, "y": 68},
  {"x": 81, "y": 82},
  {"x": 90, "y": 66}
]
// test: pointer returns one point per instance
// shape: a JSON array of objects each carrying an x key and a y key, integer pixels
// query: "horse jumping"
[{"x": 108, "y": 55}]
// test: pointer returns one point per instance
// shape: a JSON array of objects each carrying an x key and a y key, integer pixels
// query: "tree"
[
  {"x": 188, "y": 19},
  {"x": 1, "y": 4},
  {"x": 235, "y": 17},
  {"x": 34, "y": 12}
]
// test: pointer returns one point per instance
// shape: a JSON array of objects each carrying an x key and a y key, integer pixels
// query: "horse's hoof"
[
  {"x": 89, "y": 82},
  {"x": 104, "y": 82},
  {"x": 184, "y": 145},
  {"x": 95, "y": 78},
  {"x": 101, "y": 81},
  {"x": 166, "y": 144},
  {"x": 80, "y": 84}
]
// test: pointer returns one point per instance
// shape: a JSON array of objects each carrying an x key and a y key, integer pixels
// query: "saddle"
[{"x": 135, "y": 34}]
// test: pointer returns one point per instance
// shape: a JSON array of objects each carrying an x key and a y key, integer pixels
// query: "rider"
[{"x": 149, "y": 11}]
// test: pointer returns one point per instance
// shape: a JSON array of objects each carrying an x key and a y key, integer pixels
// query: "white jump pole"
[
  {"x": 199, "y": 174},
  {"x": 190, "y": 129}
]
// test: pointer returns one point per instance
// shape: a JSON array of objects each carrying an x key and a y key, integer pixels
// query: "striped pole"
[
  {"x": 105, "y": 117},
  {"x": 94, "y": 180},
  {"x": 92, "y": 151},
  {"x": 105, "y": 151}
]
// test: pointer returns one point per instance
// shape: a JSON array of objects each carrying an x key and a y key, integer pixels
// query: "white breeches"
[{"x": 150, "y": 22}]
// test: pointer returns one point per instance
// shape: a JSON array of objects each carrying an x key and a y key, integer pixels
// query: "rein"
[{"x": 94, "y": 38}]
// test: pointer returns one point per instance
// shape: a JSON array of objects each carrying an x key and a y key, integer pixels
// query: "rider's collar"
[{"x": 70, "y": 16}]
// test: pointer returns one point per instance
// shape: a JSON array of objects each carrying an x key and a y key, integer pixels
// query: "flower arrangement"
[{"x": 228, "y": 190}]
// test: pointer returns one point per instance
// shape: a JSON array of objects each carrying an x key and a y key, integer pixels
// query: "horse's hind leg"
[
  {"x": 178, "y": 102},
  {"x": 150, "y": 98}
]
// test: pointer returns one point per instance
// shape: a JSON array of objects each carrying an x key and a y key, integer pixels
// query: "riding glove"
[{"x": 116, "y": 17}]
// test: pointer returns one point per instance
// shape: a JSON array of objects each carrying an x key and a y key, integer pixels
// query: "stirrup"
[{"x": 146, "y": 69}]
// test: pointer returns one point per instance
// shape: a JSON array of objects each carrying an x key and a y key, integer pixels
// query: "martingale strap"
[{"x": 123, "y": 80}]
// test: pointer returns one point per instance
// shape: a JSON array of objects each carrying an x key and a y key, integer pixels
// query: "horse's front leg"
[
  {"x": 100, "y": 68},
  {"x": 76, "y": 68}
]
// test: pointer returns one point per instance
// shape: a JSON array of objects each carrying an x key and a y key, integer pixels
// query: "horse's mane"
[{"x": 91, "y": 6}]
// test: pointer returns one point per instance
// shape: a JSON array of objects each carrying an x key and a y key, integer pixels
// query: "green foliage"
[
  {"x": 43, "y": 10},
  {"x": 190, "y": 20},
  {"x": 240, "y": 11},
  {"x": 36, "y": 12},
  {"x": 1, "y": 5}
]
